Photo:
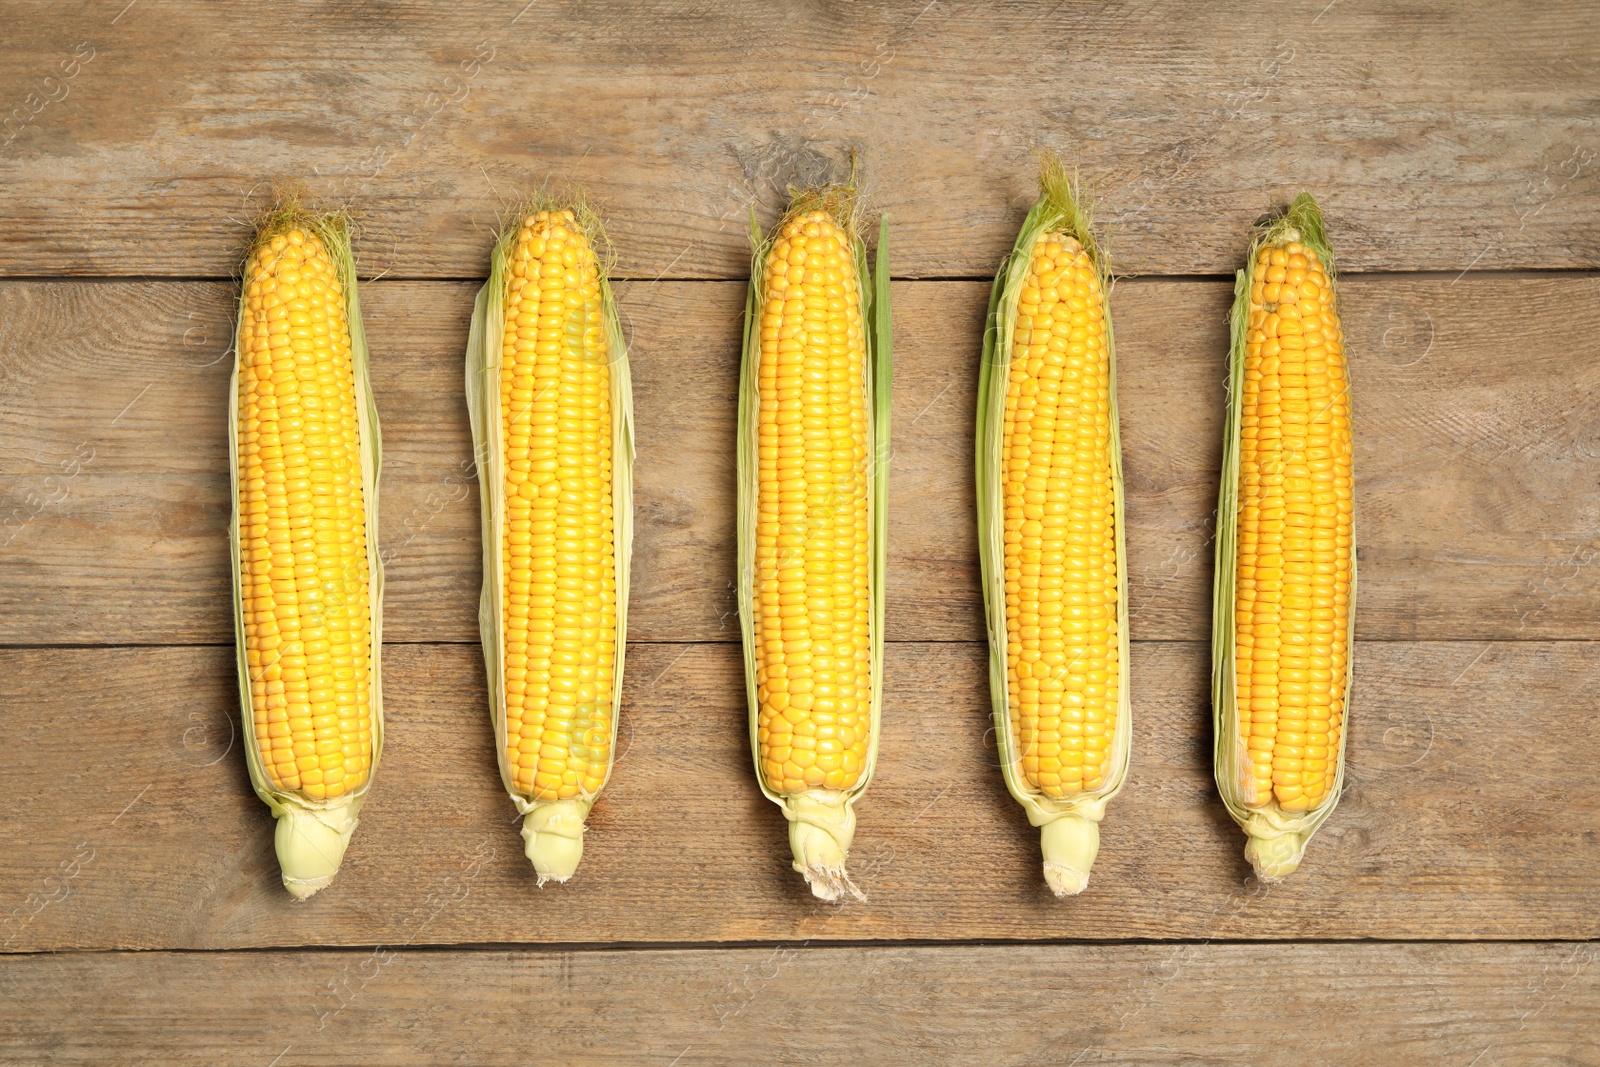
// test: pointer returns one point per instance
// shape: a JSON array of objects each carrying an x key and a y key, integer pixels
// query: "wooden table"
[{"x": 1446, "y": 914}]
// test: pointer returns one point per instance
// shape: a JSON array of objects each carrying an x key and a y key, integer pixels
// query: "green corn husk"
[
  {"x": 1069, "y": 826},
  {"x": 312, "y": 835},
  {"x": 821, "y": 821},
  {"x": 552, "y": 831},
  {"x": 1276, "y": 839}
]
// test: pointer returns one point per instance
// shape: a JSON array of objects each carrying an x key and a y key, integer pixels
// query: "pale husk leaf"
[
  {"x": 552, "y": 830},
  {"x": 1069, "y": 826},
  {"x": 312, "y": 835},
  {"x": 1276, "y": 839},
  {"x": 821, "y": 821}
]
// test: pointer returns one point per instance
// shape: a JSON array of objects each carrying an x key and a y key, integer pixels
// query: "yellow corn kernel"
[
  {"x": 1062, "y": 643},
  {"x": 811, "y": 608},
  {"x": 558, "y": 554},
  {"x": 304, "y": 582},
  {"x": 1294, "y": 570}
]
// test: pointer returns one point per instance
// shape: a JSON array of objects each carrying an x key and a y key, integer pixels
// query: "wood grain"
[
  {"x": 1477, "y": 438},
  {"x": 1464, "y": 816},
  {"x": 1492, "y": 1005},
  {"x": 1453, "y": 139},
  {"x": 1440, "y": 136}
]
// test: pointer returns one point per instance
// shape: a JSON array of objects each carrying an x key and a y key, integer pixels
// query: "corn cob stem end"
[
  {"x": 552, "y": 835},
  {"x": 311, "y": 843},
  {"x": 1275, "y": 857},
  {"x": 822, "y": 824},
  {"x": 1070, "y": 844}
]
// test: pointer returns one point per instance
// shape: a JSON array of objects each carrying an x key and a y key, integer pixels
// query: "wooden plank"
[
  {"x": 128, "y": 820},
  {"x": 1440, "y": 137},
  {"x": 1489, "y": 1005},
  {"x": 1477, "y": 508}
]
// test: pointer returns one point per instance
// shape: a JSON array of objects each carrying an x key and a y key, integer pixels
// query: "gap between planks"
[
  {"x": 1510, "y": 274},
  {"x": 808, "y": 944}
]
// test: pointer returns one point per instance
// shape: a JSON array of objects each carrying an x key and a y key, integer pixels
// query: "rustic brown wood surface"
[
  {"x": 987, "y": 1006},
  {"x": 1477, "y": 457},
  {"x": 1447, "y": 913},
  {"x": 1441, "y": 136},
  {"x": 1461, "y": 818}
]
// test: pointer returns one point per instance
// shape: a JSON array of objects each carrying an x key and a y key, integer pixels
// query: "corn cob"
[
  {"x": 548, "y": 390},
  {"x": 813, "y": 477},
  {"x": 1049, "y": 477},
  {"x": 308, "y": 585},
  {"x": 1285, "y": 592}
]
